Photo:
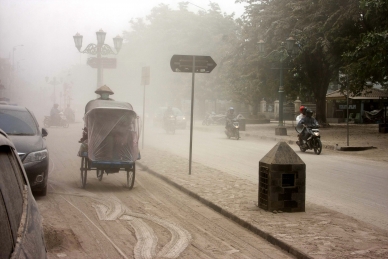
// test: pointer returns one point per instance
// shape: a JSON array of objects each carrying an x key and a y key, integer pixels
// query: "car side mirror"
[{"x": 44, "y": 132}]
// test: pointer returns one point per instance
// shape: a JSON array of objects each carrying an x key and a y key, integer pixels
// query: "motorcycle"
[
  {"x": 170, "y": 124},
  {"x": 60, "y": 122},
  {"x": 312, "y": 142},
  {"x": 213, "y": 118},
  {"x": 70, "y": 116},
  {"x": 233, "y": 130}
]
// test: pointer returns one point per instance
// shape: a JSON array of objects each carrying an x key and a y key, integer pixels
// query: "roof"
[
  {"x": 12, "y": 107},
  {"x": 98, "y": 103},
  {"x": 368, "y": 94},
  {"x": 4, "y": 141}
]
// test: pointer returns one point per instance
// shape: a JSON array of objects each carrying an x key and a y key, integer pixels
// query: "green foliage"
[{"x": 367, "y": 62}]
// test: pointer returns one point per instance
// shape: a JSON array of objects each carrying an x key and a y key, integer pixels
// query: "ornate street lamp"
[
  {"x": 285, "y": 51},
  {"x": 99, "y": 49}
]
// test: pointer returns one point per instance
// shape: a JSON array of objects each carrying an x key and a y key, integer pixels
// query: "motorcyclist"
[
  {"x": 229, "y": 118},
  {"x": 309, "y": 122},
  {"x": 302, "y": 114},
  {"x": 54, "y": 114},
  {"x": 169, "y": 112}
]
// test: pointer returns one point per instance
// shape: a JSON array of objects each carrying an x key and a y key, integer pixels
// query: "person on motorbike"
[
  {"x": 169, "y": 112},
  {"x": 54, "y": 114},
  {"x": 229, "y": 118},
  {"x": 302, "y": 114},
  {"x": 309, "y": 122}
]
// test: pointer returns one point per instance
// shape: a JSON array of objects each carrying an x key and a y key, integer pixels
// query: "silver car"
[{"x": 21, "y": 231}]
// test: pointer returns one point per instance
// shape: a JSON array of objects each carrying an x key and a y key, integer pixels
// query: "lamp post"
[
  {"x": 13, "y": 55},
  {"x": 54, "y": 83},
  {"x": 280, "y": 55},
  {"x": 99, "y": 49}
]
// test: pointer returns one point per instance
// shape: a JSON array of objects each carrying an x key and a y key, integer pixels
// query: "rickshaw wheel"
[
  {"x": 131, "y": 177},
  {"x": 100, "y": 173},
  {"x": 84, "y": 171}
]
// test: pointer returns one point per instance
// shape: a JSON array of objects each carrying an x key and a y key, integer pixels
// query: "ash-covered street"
[
  {"x": 153, "y": 220},
  {"x": 338, "y": 181}
]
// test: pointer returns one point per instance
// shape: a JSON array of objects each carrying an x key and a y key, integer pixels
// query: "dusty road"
[
  {"x": 356, "y": 187},
  {"x": 153, "y": 220}
]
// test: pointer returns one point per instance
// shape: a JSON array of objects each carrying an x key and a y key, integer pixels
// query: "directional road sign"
[
  {"x": 106, "y": 62},
  {"x": 184, "y": 63}
]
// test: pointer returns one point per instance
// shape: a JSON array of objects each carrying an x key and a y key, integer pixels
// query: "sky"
[{"x": 45, "y": 28}]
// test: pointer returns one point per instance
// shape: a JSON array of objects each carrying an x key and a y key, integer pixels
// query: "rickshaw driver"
[{"x": 104, "y": 92}]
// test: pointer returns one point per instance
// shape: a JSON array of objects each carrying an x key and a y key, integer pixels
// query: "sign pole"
[
  {"x": 145, "y": 80},
  {"x": 193, "y": 64},
  {"x": 192, "y": 115},
  {"x": 142, "y": 137}
]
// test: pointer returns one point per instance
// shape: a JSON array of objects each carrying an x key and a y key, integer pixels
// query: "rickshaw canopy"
[{"x": 113, "y": 131}]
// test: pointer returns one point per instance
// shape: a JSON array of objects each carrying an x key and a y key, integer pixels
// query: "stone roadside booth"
[{"x": 282, "y": 180}]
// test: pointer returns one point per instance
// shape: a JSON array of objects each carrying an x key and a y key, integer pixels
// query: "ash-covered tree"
[
  {"x": 164, "y": 32},
  {"x": 367, "y": 62},
  {"x": 324, "y": 29}
]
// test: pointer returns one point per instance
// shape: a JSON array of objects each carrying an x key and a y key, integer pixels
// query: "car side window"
[{"x": 11, "y": 187}]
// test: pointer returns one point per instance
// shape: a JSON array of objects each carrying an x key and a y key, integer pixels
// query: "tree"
[
  {"x": 323, "y": 29},
  {"x": 165, "y": 32},
  {"x": 367, "y": 62}
]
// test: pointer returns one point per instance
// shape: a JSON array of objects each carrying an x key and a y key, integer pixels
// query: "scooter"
[
  {"x": 60, "y": 122},
  {"x": 170, "y": 124},
  {"x": 233, "y": 130},
  {"x": 312, "y": 142}
]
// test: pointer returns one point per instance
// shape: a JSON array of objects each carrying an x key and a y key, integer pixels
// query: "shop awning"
[{"x": 369, "y": 94}]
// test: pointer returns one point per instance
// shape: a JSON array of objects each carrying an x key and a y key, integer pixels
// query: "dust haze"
[{"x": 40, "y": 64}]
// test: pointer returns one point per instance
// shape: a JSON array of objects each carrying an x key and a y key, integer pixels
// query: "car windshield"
[{"x": 17, "y": 122}]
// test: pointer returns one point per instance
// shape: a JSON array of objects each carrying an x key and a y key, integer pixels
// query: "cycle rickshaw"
[{"x": 111, "y": 144}]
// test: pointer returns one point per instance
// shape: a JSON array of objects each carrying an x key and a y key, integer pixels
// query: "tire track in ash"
[{"x": 110, "y": 208}]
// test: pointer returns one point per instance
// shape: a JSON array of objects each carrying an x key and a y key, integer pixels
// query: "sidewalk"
[{"x": 316, "y": 233}]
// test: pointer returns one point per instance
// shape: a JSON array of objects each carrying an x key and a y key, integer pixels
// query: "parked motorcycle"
[
  {"x": 213, "y": 118},
  {"x": 313, "y": 141},
  {"x": 233, "y": 130},
  {"x": 170, "y": 124},
  {"x": 60, "y": 122}
]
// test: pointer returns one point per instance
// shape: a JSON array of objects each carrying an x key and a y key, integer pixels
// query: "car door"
[
  {"x": 11, "y": 202},
  {"x": 21, "y": 232}
]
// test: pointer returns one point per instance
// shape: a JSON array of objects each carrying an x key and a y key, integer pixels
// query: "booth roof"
[{"x": 369, "y": 94}]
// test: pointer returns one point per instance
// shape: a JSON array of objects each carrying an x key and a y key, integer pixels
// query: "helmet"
[
  {"x": 231, "y": 110},
  {"x": 309, "y": 113},
  {"x": 301, "y": 108},
  {"x": 304, "y": 110}
]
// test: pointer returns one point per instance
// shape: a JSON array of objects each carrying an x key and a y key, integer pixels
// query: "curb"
[
  {"x": 331, "y": 147},
  {"x": 267, "y": 236}
]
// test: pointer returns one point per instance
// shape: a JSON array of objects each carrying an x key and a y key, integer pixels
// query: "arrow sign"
[{"x": 184, "y": 63}]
